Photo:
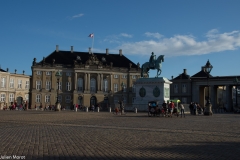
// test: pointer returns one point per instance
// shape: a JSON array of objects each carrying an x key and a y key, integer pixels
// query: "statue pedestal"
[{"x": 151, "y": 89}]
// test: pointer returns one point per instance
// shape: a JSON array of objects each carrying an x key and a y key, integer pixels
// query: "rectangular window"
[
  {"x": 3, "y": 97},
  {"x": 115, "y": 87},
  {"x": 59, "y": 86},
  {"x": 38, "y": 85},
  {"x": 3, "y": 82},
  {"x": 39, "y": 72},
  {"x": 105, "y": 85},
  {"x": 134, "y": 77},
  {"x": 175, "y": 88},
  {"x": 47, "y": 98},
  {"x": 59, "y": 98},
  {"x": 184, "y": 88},
  {"x": 26, "y": 97},
  {"x": 48, "y": 73},
  {"x": 133, "y": 88},
  {"x": 124, "y": 88},
  {"x": 68, "y": 74},
  {"x": 184, "y": 100},
  {"x": 11, "y": 85},
  {"x": 11, "y": 97},
  {"x": 48, "y": 85},
  {"x": 38, "y": 98},
  {"x": 115, "y": 76},
  {"x": 68, "y": 99},
  {"x": 27, "y": 85},
  {"x": 68, "y": 87},
  {"x": 124, "y": 76},
  {"x": 19, "y": 83}
]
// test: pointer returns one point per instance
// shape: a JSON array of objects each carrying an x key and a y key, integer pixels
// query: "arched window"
[
  {"x": 105, "y": 85},
  {"x": 93, "y": 85},
  {"x": 80, "y": 84}
]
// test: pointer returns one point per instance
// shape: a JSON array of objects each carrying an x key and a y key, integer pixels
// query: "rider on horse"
[{"x": 152, "y": 60}]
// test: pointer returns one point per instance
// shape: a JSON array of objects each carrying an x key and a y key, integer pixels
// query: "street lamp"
[
  {"x": 236, "y": 81},
  {"x": 208, "y": 109},
  {"x": 58, "y": 75}
]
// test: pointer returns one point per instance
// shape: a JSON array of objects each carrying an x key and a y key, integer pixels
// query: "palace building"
[{"x": 86, "y": 79}]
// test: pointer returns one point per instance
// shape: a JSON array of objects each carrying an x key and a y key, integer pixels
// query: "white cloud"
[
  {"x": 78, "y": 15},
  {"x": 155, "y": 35},
  {"x": 126, "y": 35},
  {"x": 185, "y": 44}
]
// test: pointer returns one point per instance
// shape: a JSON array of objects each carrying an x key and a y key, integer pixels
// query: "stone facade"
[{"x": 13, "y": 88}]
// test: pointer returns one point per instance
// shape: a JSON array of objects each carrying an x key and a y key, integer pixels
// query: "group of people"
[
  {"x": 14, "y": 106},
  {"x": 169, "y": 107},
  {"x": 195, "y": 108}
]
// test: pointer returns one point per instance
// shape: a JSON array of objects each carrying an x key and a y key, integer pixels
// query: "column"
[
  {"x": 98, "y": 82},
  {"x": 75, "y": 84},
  {"x": 228, "y": 97},
  {"x": 111, "y": 83},
  {"x": 88, "y": 81},
  {"x": 213, "y": 96},
  {"x": 101, "y": 87},
  {"x": 85, "y": 82}
]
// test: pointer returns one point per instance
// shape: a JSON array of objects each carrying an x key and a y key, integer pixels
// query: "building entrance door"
[
  {"x": 93, "y": 101},
  {"x": 19, "y": 100}
]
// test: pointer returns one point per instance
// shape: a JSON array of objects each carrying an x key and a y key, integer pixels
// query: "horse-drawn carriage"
[{"x": 153, "y": 108}]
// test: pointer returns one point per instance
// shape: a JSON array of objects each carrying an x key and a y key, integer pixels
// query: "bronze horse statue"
[{"x": 157, "y": 65}]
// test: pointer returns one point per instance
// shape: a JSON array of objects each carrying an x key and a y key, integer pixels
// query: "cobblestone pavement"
[{"x": 92, "y": 135}]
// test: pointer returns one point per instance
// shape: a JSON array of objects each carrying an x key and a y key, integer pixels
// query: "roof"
[
  {"x": 1, "y": 70},
  {"x": 201, "y": 74},
  {"x": 182, "y": 76},
  {"x": 68, "y": 58}
]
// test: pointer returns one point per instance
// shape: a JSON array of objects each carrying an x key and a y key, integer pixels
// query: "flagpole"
[{"x": 92, "y": 43}]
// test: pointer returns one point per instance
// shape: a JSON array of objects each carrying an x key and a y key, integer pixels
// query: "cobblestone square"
[{"x": 92, "y": 135}]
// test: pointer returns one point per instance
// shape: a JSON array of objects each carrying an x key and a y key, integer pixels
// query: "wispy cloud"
[
  {"x": 155, "y": 35},
  {"x": 126, "y": 35},
  {"x": 77, "y": 16},
  {"x": 185, "y": 44}
]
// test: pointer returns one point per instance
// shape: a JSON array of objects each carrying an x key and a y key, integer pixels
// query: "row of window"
[
  {"x": 69, "y": 74},
  {"x": 184, "y": 88},
  {"x": 47, "y": 98},
  {"x": 80, "y": 85},
  {"x": 11, "y": 97},
  {"x": 11, "y": 84}
]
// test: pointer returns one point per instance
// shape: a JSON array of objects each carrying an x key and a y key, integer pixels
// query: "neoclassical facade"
[
  {"x": 86, "y": 79},
  {"x": 13, "y": 88}
]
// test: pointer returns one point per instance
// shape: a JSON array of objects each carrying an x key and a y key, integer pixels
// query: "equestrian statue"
[{"x": 153, "y": 64}]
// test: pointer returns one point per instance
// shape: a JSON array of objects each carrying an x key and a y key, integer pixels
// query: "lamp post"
[
  {"x": 58, "y": 76},
  {"x": 236, "y": 81},
  {"x": 121, "y": 102},
  {"x": 208, "y": 107}
]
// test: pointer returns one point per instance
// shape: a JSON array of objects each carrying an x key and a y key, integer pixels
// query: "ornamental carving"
[
  {"x": 142, "y": 92},
  {"x": 156, "y": 92},
  {"x": 93, "y": 60}
]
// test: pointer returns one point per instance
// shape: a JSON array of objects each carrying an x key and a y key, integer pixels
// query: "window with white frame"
[
  {"x": 133, "y": 88},
  {"x": 105, "y": 85},
  {"x": 26, "y": 97},
  {"x": 68, "y": 74},
  {"x": 93, "y": 85},
  {"x": 48, "y": 73},
  {"x": 19, "y": 83},
  {"x": 59, "y": 98},
  {"x": 80, "y": 84},
  {"x": 59, "y": 86},
  {"x": 38, "y": 98},
  {"x": 39, "y": 72},
  {"x": 11, "y": 97},
  {"x": 115, "y": 87},
  {"x": 184, "y": 88},
  {"x": 38, "y": 85},
  {"x": 3, "y": 97},
  {"x": 3, "y": 82},
  {"x": 175, "y": 88},
  {"x": 68, "y": 86},
  {"x": 48, "y": 85},
  {"x": 47, "y": 98},
  {"x": 68, "y": 99},
  {"x": 27, "y": 85},
  {"x": 11, "y": 84},
  {"x": 134, "y": 76},
  {"x": 115, "y": 76},
  {"x": 184, "y": 100},
  {"x": 124, "y": 76}
]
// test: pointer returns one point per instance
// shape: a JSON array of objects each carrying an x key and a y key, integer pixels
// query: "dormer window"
[{"x": 103, "y": 59}]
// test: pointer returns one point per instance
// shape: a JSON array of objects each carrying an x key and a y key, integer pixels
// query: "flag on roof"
[{"x": 91, "y": 35}]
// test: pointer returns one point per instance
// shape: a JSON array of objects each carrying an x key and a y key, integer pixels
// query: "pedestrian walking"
[
  {"x": 76, "y": 107},
  {"x": 182, "y": 109}
]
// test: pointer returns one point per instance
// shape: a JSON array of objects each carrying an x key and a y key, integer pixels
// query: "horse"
[{"x": 157, "y": 65}]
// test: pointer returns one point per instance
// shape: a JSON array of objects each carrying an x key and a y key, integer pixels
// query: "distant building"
[
  {"x": 13, "y": 88},
  {"x": 87, "y": 79}
]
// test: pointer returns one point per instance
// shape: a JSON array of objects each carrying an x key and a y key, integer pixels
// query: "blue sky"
[{"x": 187, "y": 32}]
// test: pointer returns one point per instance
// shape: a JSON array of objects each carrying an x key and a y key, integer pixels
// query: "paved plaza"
[{"x": 91, "y": 135}]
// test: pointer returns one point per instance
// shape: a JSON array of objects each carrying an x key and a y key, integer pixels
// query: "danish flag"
[{"x": 91, "y": 35}]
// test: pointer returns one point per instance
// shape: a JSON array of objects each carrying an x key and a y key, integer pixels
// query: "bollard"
[
  {"x": 86, "y": 109},
  {"x": 97, "y": 109},
  {"x": 135, "y": 110},
  {"x": 110, "y": 109}
]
